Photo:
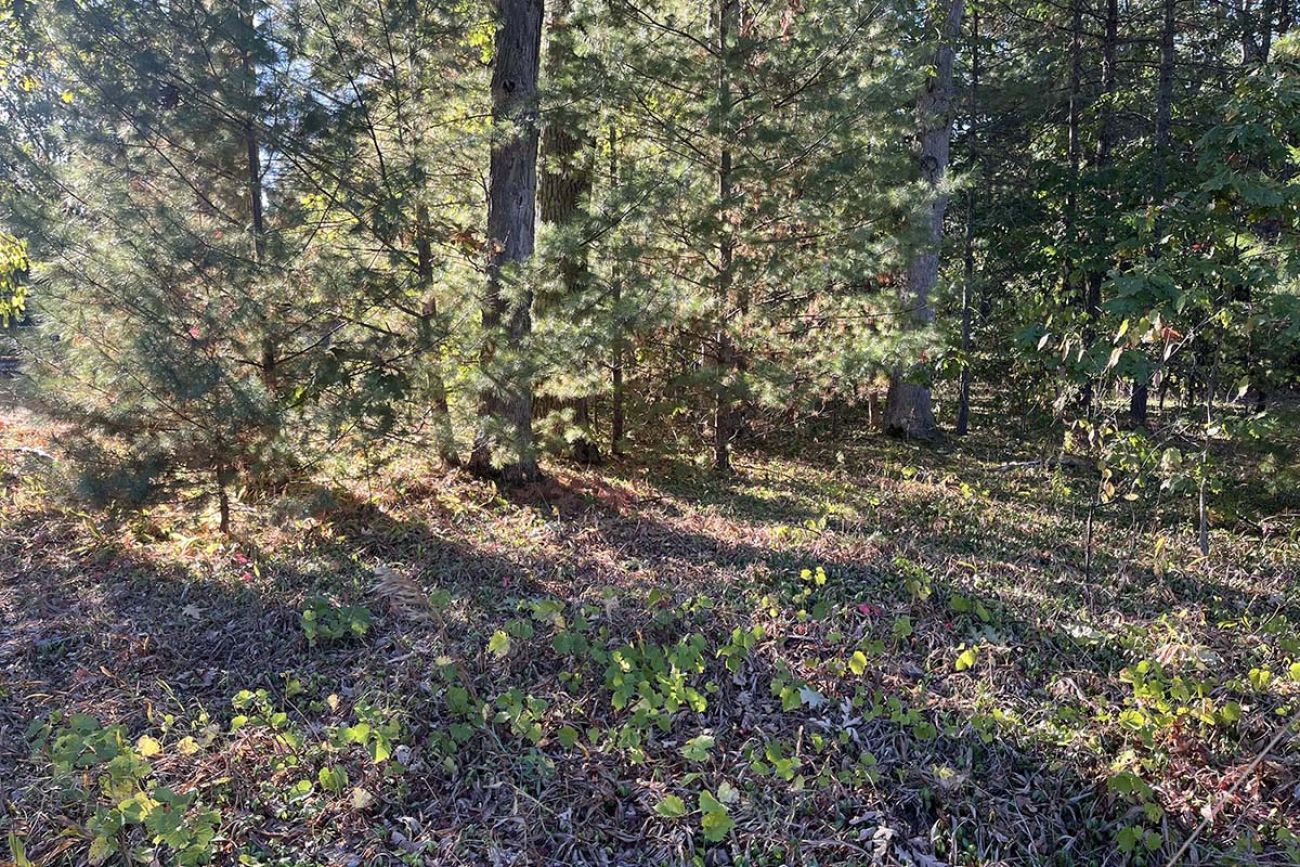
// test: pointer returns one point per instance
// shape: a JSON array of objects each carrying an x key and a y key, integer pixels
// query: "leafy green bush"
[
  {"x": 323, "y": 620},
  {"x": 98, "y": 767}
]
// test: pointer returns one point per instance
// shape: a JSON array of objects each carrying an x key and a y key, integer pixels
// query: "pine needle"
[{"x": 402, "y": 593}]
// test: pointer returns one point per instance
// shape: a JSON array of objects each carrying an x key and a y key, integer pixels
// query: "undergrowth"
[{"x": 867, "y": 654}]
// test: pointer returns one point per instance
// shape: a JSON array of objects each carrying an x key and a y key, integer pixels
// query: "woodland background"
[{"x": 613, "y": 432}]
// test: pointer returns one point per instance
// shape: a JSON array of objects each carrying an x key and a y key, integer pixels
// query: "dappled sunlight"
[
  {"x": 832, "y": 656},
  {"x": 727, "y": 434}
]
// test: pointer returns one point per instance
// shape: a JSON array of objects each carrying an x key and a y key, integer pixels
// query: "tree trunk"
[
  {"x": 968, "y": 283},
  {"x": 564, "y": 182},
  {"x": 908, "y": 410},
  {"x": 428, "y": 338},
  {"x": 1105, "y": 146},
  {"x": 725, "y": 423},
  {"x": 1164, "y": 111},
  {"x": 1074, "y": 153},
  {"x": 506, "y": 405},
  {"x": 1256, "y": 30},
  {"x": 1266, "y": 34},
  {"x": 617, "y": 422},
  {"x": 223, "y": 479},
  {"x": 253, "y": 169},
  {"x": 1203, "y": 511},
  {"x": 1164, "y": 105},
  {"x": 255, "y": 190}
]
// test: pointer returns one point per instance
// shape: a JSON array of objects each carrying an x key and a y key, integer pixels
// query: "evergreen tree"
[
  {"x": 908, "y": 411},
  {"x": 564, "y": 187},
  {"x": 506, "y": 400},
  {"x": 158, "y": 271},
  {"x": 257, "y": 231},
  {"x": 764, "y": 184}
]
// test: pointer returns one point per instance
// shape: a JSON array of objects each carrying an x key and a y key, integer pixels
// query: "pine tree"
[
  {"x": 267, "y": 232},
  {"x": 908, "y": 411},
  {"x": 387, "y": 170},
  {"x": 506, "y": 402},
  {"x": 157, "y": 273},
  {"x": 565, "y": 182},
  {"x": 765, "y": 210}
]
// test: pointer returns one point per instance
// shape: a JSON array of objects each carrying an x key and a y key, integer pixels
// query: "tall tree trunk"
[
  {"x": 968, "y": 282},
  {"x": 1074, "y": 151},
  {"x": 255, "y": 190},
  {"x": 908, "y": 410},
  {"x": 1203, "y": 511},
  {"x": 506, "y": 405},
  {"x": 1266, "y": 34},
  {"x": 725, "y": 422},
  {"x": 1105, "y": 147},
  {"x": 223, "y": 478},
  {"x": 565, "y": 181},
  {"x": 1164, "y": 112},
  {"x": 617, "y": 422},
  {"x": 424, "y": 280},
  {"x": 253, "y": 175},
  {"x": 1256, "y": 43}
]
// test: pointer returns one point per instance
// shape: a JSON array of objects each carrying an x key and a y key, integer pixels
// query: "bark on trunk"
[
  {"x": 968, "y": 283},
  {"x": 1256, "y": 30},
  {"x": 223, "y": 497},
  {"x": 908, "y": 410},
  {"x": 253, "y": 169},
  {"x": 1074, "y": 152},
  {"x": 429, "y": 338},
  {"x": 1105, "y": 146},
  {"x": 725, "y": 423},
  {"x": 617, "y": 422},
  {"x": 506, "y": 405},
  {"x": 1164, "y": 111},
  {"x": 565, "y": 181}
]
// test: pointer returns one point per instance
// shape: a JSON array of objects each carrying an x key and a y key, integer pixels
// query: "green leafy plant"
[
  {"x": 322, "y": 620},
  {"x": 376, "y": 731},
  {"x": 671, "y": 807},
  {"x": 916, "y": 580},
  {"x": 125, "y": 794},
  {"x": 697, "y": 749},
  {"x": 739, "y": 645},
  {"x": 523, "y": 713},
  {"x": 655, "y": 681},
  {"x": 715, "y": 820},
  {"x": 1130, "y": 838}
]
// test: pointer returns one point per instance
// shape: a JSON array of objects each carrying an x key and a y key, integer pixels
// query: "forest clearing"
[
  {"x": 867, "y": 652},
  {"x": 649, "y": 432}
]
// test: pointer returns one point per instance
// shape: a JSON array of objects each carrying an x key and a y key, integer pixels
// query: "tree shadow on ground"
[{"x": 109, "y": 628}]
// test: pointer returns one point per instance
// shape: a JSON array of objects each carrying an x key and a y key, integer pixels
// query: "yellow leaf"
[
  {"x": 499, "y": 644},
  {"x": 966, "y": 660},
  {"x": 147, "y": 746}
]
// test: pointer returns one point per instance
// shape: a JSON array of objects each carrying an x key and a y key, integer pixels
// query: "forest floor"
[{"x": 860, "y": 652}]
